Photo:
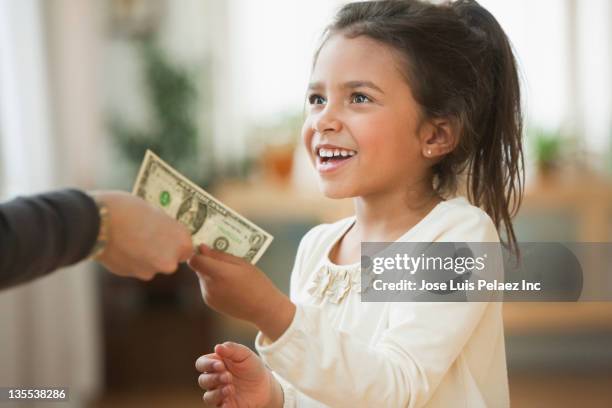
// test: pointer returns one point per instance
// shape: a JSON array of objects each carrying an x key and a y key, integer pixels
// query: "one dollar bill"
[{"x": 209, "y": 221}]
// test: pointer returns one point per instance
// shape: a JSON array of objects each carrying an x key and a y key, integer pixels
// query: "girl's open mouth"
[{"x": 332, "y": 159}]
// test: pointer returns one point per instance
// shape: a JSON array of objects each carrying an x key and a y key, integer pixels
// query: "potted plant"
[{"x": 547, "y": 146}]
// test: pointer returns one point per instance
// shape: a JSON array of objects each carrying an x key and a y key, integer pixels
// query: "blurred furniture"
[
  {"x": 564, "y": 336},
  {"x": 281, "y": 201},
  {"x": 582, "y": 204},
  {"x": 575, "y": 210}
]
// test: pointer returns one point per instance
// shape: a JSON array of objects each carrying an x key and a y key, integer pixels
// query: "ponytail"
[{"x": 496, "y": 173}]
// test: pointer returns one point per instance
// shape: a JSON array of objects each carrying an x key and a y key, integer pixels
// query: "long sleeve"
[
  {"x": 401, "y": 370},
  {"x": 289, "y": 392},
  {"x": 41, "y": 233}
]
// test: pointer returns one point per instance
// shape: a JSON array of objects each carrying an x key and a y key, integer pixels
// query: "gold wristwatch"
[{"x": 103, "y": 231}]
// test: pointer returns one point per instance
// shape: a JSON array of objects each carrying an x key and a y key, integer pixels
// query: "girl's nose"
[{"x": 327, "y": 121}]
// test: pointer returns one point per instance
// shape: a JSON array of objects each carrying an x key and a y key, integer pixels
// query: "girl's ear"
[{"x": 438, "y": 137}]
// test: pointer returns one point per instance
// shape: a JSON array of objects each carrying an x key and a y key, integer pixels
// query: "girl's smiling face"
[{"x": 360, "y": 108}]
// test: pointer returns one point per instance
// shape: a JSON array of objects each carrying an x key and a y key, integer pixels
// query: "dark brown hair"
[{"x": 460, "y": 66}]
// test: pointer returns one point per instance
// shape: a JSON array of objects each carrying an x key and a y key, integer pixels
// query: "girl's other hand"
[
  {"x": 215, "y": 380},
  {"x": 235, "y": 377}
]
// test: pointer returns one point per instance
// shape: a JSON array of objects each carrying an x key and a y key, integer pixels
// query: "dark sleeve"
[{"x": 41, "y": 233}]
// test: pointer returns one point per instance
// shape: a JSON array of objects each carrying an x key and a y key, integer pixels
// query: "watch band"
[{"x": 102, "y": 240}]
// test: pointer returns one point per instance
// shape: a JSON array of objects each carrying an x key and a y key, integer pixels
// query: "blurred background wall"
[{"x": 217, "y": 89}]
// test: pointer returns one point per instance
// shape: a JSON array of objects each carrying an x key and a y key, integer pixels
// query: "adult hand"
[
  {"x": 233, "y": 286},
  {"x": 235, "y": 377},
  {"x": 142, "y": 239}
]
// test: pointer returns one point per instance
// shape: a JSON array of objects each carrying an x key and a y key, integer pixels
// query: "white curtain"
[{"x": 49, "y": 328}]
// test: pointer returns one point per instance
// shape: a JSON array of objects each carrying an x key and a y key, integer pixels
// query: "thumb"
[
  {"x": 185, "y": 248},
  {"x": 206, "y": 266},
  {"x": 233, "y": 351},
  {"x": 203, "y": 249}
]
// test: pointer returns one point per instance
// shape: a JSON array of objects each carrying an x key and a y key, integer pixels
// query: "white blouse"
[{"x": 340, "y": 352}]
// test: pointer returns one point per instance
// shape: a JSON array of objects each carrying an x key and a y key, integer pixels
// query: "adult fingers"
[
  {"x": 158, "y": 261},
  {"x": 168, "y": 267},
  {"x": 141, "y": 271},
  {"x": 185, "y": 252},
  {"x": 185, "y": 248}
]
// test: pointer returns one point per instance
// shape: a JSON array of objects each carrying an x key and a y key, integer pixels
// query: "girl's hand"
[
  {"x": 215, "y": 380},
  {"x": 232, "y": 286},
  {"x": 234, "y": 377}
]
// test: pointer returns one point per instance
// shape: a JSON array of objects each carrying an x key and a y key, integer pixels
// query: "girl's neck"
[{"x": 385, "y": 217}]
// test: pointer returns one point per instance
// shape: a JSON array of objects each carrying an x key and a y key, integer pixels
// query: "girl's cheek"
[
  {"x": 307, "y": 139},
  {"x": 307, "y": 134}
]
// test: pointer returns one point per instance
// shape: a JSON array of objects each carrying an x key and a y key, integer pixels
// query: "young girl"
[{"x": 404, "y": 97}]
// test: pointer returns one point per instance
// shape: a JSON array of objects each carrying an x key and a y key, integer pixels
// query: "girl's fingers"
[
  {"x": 229, "y": 402},
  {"x": 213, "y": 398},
  {"x": 205, "y": 266},
  {"x": 233, "y": 351},
  {"x": 209, "y": 363},
  {"x": 204, "y": 250},
  {"x": 212, "y": 381},
  {"x": 218, "y": 396},
  {"x": 209, "y": 265}
]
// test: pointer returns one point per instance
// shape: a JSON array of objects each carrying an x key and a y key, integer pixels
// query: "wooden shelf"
[
  {"x": 273, "y": 200},
  {"x": 523, "y": 318},
  {"x": 588, "y": 200}
]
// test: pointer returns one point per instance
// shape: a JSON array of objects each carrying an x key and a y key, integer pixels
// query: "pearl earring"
[{"x": 429, "y": 152}]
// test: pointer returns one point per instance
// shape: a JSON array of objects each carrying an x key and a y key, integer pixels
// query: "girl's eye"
[
  {"x": 315, "y": 99},
  {"x": 360, "y": 98}
]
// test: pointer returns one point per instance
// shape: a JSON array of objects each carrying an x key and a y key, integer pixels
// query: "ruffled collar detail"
[{"x": 335, "y": 282}]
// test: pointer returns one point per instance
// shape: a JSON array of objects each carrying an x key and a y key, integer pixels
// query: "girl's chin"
[{"x": 335, "y": 192}]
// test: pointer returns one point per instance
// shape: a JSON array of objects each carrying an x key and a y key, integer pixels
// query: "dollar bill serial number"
[{"x": 45, "y": 394}]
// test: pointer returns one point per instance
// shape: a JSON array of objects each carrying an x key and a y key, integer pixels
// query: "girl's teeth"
[{"x": 336, "y": 153}]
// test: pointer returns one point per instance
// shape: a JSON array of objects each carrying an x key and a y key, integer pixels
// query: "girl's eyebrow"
[
  {"x": 348, "y": 85},
  {"x": 313, "y": 86},
  {"x": 362, "y": 84}
]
